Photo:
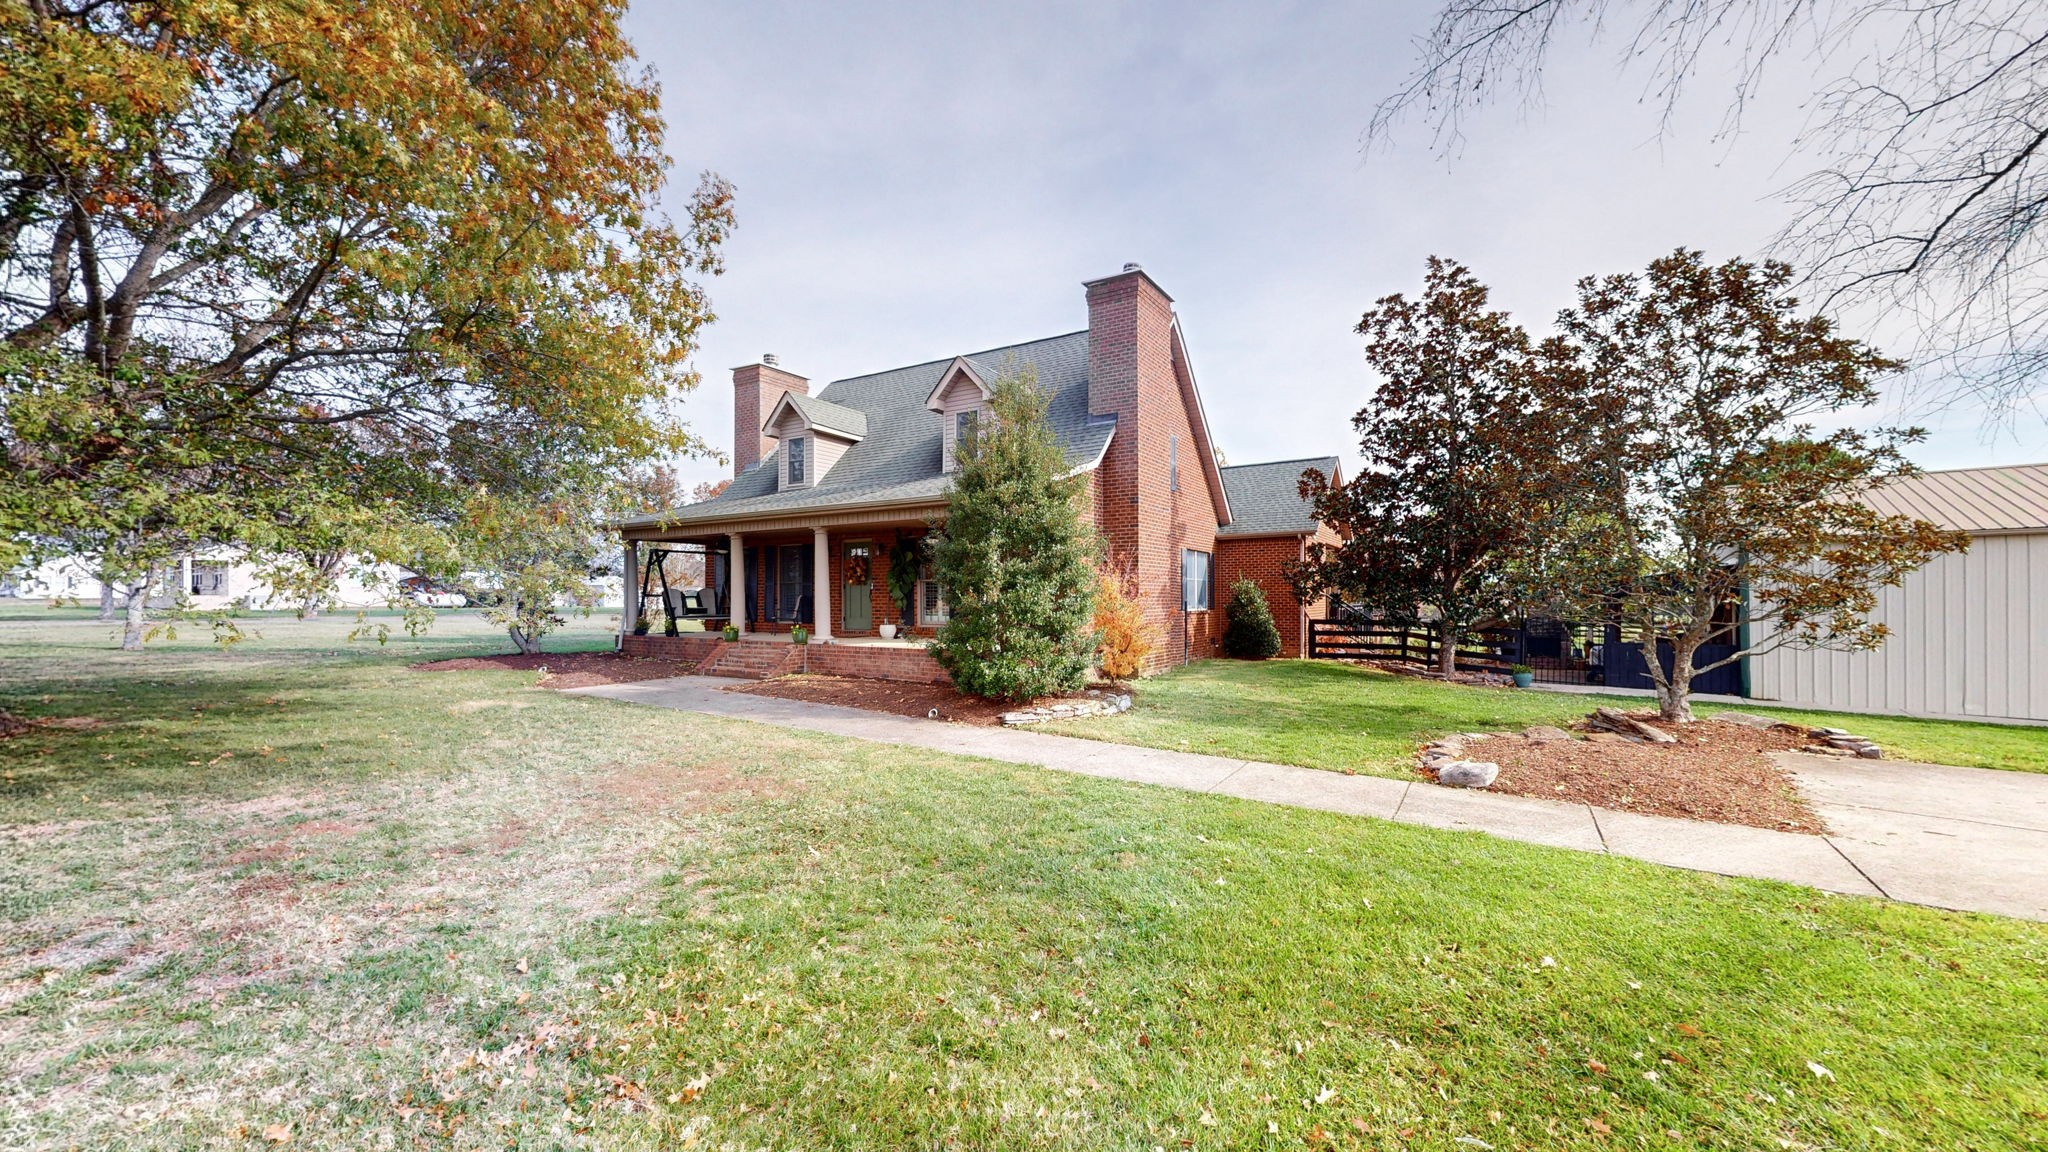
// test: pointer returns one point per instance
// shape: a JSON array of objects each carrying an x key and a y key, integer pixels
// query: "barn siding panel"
[{"x": 1969, "y": 638}]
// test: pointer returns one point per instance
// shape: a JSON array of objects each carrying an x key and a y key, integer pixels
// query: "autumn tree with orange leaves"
[{"x": 255, "y": 249}]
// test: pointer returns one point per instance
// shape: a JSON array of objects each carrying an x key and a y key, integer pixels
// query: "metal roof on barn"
[{"x": 2008, "y": 499}]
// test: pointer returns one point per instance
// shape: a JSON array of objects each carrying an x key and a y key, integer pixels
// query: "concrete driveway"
[{"x": 1973, "y": 838}]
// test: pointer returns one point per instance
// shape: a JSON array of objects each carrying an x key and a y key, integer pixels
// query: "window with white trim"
[
  {"x": 931, "y": 602},
  {"x": 793, "y": 448},
  {"x": 1196, "y": 570}
]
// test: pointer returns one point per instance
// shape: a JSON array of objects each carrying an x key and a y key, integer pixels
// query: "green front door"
[{"x": 858, "y": 568}]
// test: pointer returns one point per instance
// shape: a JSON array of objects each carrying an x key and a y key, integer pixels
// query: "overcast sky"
[{"x": 917, "y": 182}]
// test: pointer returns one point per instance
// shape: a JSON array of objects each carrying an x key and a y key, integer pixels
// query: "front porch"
[
  {"x": 685, "y": 584},
  {"x": 762, "y": 655}
]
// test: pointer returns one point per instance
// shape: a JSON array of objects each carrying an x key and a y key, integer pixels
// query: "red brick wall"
[
  {"x": 875, "y": 662},
  {"x": 1263, "y": 560},
  {"x": 1134, "y": 372},
  {"x": 691, "y": 648}
]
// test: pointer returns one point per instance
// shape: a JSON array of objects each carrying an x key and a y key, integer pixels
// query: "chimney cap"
[
  {"x": 769, "y": 359},
  {"x": 1134, "y": 266}
]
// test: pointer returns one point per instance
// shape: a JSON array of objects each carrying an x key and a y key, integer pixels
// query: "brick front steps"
[{"x": 710, "y": 655}]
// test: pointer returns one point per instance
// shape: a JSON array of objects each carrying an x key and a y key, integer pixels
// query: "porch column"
[
  {"x": 629, "y": 593},
  {"x": 737, "y": 565},
  {"x": 821, "y": 584},
  {"x": 184, "y": 577}
]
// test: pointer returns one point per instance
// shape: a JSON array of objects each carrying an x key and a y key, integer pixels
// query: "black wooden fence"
[
  {"x": 1556, "y": 652},
  {"x": 1490, "y": 650}
]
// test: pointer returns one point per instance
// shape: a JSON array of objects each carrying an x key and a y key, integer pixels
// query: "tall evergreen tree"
[{"x": 1014, "y": 557}]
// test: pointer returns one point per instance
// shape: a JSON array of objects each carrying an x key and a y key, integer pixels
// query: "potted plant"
[
  {"x": 640, "y": 625},
  {"x": 1523, "y": 674},
  {"x": 887, "y": 629},
  {"x": 905, "y": 565},
  {"x": 800, "y": 634},
  {"x": 731, "y": 633}
]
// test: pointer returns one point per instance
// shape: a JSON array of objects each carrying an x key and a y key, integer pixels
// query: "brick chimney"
[
  {"x": 756, "y": 389},
  {"x": 1130, "y": 324}
]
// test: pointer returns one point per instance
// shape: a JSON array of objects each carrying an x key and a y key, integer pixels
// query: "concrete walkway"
[{"x": 1964, "y": 838}]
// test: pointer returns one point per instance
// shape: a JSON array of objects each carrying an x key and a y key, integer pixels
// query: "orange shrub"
[{"x": 1123, "y": 637}]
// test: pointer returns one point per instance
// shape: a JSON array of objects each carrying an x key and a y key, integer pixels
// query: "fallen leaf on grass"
[
  {"x": 1820, "y": 1071},
  {"x": 278, "y": 1133},
  {"x": 1689, "y": 1030},
  {"x": 1599, "y": 1125},
  {"x": 1596, "y": 1066}
]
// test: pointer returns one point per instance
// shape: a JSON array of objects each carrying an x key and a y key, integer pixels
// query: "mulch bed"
[
  {"x": 1717, "y": 771},
  {"x": 567, "y": 669},
  {"x": 895, "y": 696}
]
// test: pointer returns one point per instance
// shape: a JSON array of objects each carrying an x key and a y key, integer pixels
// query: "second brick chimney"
[{"x": 756, "y": 389}]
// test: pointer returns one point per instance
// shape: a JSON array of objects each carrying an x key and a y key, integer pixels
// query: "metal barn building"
[{"x": 1969, "y": 632}]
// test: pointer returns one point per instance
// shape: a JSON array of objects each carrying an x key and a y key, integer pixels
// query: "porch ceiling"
[{"x": 877, "y": 519}]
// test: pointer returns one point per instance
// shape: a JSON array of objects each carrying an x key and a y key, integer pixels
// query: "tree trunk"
[
  {"x": 527, "y": 645},
  {"x": 325, "y": 567},
  {"x": 1447, "y": 650},
  {"x": 1674, "y": 694},
  {"x": 138, "y": 610},
  {"x": 106, "y": 598}
]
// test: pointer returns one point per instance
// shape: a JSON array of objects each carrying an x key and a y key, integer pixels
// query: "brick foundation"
[
  {"x": 691, "y": 648},
  {"x": 872, "y": 662}
]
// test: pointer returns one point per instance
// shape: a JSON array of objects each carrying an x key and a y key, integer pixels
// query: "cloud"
[{"x": 921, "y": 180}]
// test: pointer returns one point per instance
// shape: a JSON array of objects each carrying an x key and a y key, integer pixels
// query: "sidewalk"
[{"x": 1961, "y": 838}]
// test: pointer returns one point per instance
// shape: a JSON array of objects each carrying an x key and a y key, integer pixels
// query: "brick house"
[{"x": 828, "y": 485}]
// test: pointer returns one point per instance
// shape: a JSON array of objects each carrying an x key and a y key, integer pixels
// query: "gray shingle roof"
[
  {"x": 1266, "y": 498},
  {"x": 849, "y": 422},
  {"x": 898, "y": 458}
]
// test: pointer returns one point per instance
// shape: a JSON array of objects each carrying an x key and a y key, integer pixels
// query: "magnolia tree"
[
  {"x": 1462, "y": 467},
  {"x": 1710, "y": 509},
  {"x": 1014, "y": 557}
]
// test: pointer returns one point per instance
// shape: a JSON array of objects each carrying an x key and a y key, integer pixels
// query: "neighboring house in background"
[
  {"x": 1969, "y": 632},
  {"x": 206, "y": 580},
  {"x": 828, "y": 486}
]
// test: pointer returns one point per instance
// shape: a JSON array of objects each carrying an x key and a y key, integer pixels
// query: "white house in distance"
[
  {"x": 207, "y": 580},
  {"x": 1969, "y": 632}
]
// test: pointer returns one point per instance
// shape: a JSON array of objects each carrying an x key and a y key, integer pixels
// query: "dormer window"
[
  {"x": 959, "y": 398},
  {"x": 794, "y": 449}
]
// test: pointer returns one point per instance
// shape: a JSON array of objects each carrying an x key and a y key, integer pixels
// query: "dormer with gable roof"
[
  {"x": 961, "y": 398},
  {"x": 811, "y": 435}
]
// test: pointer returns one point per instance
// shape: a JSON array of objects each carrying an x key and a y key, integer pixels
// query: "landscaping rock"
[
  {"x": 1468, "y": 774},
  {"x": 1749, "y": 720},
  {"x": 1094, "y": 702},
  {"x": 1545, "y": 732}
]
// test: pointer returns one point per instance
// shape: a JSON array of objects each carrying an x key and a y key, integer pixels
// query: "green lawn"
[
  {"x": 296, "y": 889},
  {"x": 1322, "y": 714}
]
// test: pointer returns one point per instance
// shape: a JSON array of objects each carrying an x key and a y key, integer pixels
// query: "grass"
[
  {"x": 1322, "y": 714},
  {"x": 296, "y": 889}
]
